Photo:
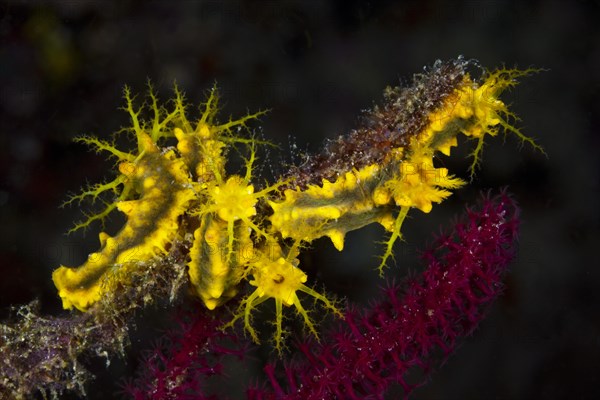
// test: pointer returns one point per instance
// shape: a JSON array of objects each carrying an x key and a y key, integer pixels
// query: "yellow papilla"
[
  {"x": 234, "y": 199},
  {"x": 414, "y": 183},
  {"x": 420, "y": 183}
]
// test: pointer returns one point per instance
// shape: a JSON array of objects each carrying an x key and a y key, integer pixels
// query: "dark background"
[{"x": 316, "y": 64}]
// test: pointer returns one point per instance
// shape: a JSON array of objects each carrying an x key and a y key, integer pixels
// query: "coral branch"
[
  {"x": 186, "y": 357},
  {"x": 414, "y": 321},
  {"x": 43, "y": 354}
]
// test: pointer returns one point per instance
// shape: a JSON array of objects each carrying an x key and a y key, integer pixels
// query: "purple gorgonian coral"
[{"x": 418, "y": 323}]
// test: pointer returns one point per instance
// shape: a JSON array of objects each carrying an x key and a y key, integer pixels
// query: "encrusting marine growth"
[{"x": 175, "y": 185}]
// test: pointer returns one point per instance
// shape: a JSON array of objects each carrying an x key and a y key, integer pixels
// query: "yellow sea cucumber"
[{"x": 175, "y": 186}]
